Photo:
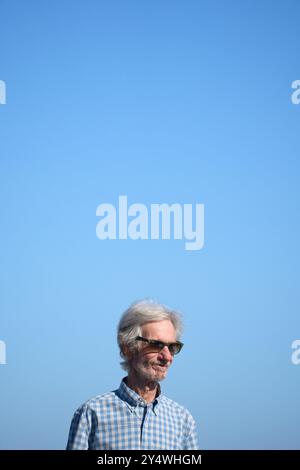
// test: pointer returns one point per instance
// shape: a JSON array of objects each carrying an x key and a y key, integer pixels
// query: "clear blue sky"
[{"x": 164, "y": 101}]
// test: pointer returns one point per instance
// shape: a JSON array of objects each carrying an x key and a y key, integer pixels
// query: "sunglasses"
[{"x": 157, "y": 346}]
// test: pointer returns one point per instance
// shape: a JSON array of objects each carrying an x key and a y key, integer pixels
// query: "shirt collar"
[{"x": 133, "y": 399}]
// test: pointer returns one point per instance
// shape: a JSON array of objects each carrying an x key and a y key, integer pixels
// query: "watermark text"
[
  {"x": 2, "y": 92},
  {"x": 2, "y": 352},
  {"x": 295, "y": 357},
  {"x": 295, "y": 96},
  {"x": 158, "y": 222}
]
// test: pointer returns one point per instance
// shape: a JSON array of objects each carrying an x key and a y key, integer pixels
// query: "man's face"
[{"x": 147, "y": 363}]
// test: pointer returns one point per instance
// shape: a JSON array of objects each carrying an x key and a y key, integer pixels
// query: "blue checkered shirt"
[{"x": 123, "y": 420}]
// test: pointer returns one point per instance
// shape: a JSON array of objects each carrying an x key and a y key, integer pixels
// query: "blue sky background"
[{"x": 164, "y": 101}]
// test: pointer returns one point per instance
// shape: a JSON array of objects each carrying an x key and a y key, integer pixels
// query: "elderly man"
[{"x": 138, "y": 415}]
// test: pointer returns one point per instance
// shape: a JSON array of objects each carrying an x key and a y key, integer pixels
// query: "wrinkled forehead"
[{"x": 161, "y": 330}]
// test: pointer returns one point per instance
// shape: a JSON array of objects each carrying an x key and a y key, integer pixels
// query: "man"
[{"x": 138, "y": 415}]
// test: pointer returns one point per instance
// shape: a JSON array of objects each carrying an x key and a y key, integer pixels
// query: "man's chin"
[
  {"x": 161, "y": 378},
  {"x": 160, "y": 375},
  {"x": 155, "y": 375}
]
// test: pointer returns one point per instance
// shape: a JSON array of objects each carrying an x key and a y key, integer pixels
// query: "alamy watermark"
[
  {"x": 158, "y": 222},
  {"x": 2, "y": 92},
  {"x": 2, "y": 352},
  {"x": 295, "y": 96},
  {"x": 295, "y": 357}
]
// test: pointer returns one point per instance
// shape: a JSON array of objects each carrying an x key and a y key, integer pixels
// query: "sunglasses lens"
[{"x": 174, "y": 348}]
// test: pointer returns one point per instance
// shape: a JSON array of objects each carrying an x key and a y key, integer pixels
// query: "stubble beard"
[{"x": 149, "y": 371}]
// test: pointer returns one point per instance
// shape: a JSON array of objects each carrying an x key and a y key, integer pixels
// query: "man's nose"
[{"x": 165, "y": 351}]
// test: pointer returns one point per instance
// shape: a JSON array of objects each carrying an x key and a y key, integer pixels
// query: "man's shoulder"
[
  {"x": 98, "y": 401},
  {"x": 176, "y": 407}
]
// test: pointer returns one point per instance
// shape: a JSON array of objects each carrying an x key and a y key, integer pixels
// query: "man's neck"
[{"x": 146, "y": 389}]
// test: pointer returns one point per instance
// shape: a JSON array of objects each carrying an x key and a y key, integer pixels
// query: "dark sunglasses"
[{"x": 174, "y": 348}]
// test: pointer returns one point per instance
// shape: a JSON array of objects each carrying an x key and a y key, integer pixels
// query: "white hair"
[{"x": 139, "y": 313}]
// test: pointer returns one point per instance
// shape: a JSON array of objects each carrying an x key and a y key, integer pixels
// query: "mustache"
[{"x": 163, "y": 363}]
